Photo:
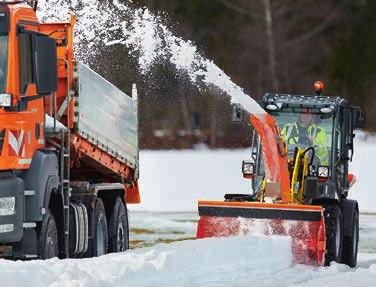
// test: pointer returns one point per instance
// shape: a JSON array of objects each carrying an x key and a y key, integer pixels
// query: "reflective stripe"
[
  {"x": 24, "y": 161},
  {"x": 315, "y": 131},
  {"x": 289, "y": 131}
]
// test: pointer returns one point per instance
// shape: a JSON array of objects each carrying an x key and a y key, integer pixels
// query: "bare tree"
[{"x": 286, "y": 27}]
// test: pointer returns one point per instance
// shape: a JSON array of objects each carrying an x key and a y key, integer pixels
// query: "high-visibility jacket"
[{"x": 313, "y": 135}]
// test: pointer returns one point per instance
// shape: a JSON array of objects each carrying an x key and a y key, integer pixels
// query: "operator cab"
[
  {"x": 304, "y": 123},
  {"x": 318, "y": 126},
  {"x": 323, "y": 125}
]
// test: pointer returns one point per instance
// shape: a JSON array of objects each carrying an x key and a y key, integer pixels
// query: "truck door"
[{"x": 346, "y": 149}]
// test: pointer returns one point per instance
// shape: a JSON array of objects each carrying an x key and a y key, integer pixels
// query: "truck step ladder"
[{"x": 65, "y": 184}]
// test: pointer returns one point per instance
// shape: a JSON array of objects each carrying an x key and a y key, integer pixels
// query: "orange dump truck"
[{"x": 68, "y": 145}]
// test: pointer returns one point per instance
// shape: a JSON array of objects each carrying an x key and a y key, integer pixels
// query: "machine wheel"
[
  {"x": 100, "y": 235},
  {"x": 350, "y": 244},
  {"x": 334, "y": 233},
  {"x": 118, "y": 231},
  {"x": 47, "y": 238}
]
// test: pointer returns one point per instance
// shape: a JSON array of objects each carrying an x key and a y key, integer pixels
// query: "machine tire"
[
  {"x": 334, "y": 233},
  {"x": 118, "y": 231},
  {"x": 100, "y": 235},
  {"x": 350, "y": 244},
  {"x": 48, "y": 238}
]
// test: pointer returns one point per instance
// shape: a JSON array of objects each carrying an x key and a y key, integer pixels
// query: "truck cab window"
[
  {"x": 3, "y": 62},
  {"x": 25, "y": 61}
]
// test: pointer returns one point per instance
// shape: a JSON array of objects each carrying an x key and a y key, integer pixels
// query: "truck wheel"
[
  {"x": 350, "y": 244},
  {"x": 118, "y": 229},
  {"x": 47, "y": 237},
  {"x": 100, "y": 236},
  {"x": 334, "y": 233}
]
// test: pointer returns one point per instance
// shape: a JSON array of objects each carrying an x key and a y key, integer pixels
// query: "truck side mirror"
[
  {"x": 237, "y": 113},
  {"x": 359, "y": 119},
  {"x": 45, "y": 56},
  {"x": 248, "y": 168}
]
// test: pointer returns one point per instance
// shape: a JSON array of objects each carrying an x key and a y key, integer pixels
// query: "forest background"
[{"x": 279, "y": 46}]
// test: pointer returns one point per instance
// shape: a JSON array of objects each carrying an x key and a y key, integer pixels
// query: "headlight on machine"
[
  {"x": 5, "y": 100},
  {"x": 323, "y": 171},
  {"x": 248, "y": 168},
  {"x": 7, "y": 206}
]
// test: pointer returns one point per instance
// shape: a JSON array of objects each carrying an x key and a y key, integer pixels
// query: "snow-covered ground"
[
  {"x": 246, "y": 261},
  {"x": 175, "y": 180}
]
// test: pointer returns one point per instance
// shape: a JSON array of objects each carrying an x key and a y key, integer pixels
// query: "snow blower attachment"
[
  {"x": 241, "y": 214},
  {"x": 298, "y": 190}
]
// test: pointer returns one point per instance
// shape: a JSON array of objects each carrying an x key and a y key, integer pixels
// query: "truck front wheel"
[
  {"x": 47, "y": 237},
  {"x": 118, "y": 229}
]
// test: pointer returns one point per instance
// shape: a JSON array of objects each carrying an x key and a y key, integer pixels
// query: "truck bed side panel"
[{"x": 107, "y": 117}]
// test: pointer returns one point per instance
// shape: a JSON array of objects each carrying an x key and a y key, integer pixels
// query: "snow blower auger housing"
[{"x": 299, "y": 169}]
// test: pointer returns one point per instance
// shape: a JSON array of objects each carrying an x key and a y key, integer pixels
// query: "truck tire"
[
  {"x": 47, "y": 237},
  {"x": 118, "y": 231},
  {"x": 350, "y": 244},
  {"x": 100, "y": 235},
  {"x": 334, "y": 232}
]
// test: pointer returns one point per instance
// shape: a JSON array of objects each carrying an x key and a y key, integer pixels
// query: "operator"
[{"x": 306, "y": 133}]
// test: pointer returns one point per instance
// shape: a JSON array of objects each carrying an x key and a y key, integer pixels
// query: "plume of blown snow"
[{"x": 101, "y": 24}]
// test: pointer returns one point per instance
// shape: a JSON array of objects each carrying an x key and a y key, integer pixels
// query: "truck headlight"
[
  {"x": 7, "y": 206},
  {"x": 323, "y": 171},
  {"x": 4, "y": 228},
  {"x": 5, "y": 100}
]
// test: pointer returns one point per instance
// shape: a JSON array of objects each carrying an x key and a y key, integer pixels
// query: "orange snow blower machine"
[{"x": 299, "y": 169}]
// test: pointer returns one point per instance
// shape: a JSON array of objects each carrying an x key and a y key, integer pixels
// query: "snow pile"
[
  {"x": 246, "y": 261},
  {"x": 211, "y": 262},
  {"x": 145, "y": 36}
]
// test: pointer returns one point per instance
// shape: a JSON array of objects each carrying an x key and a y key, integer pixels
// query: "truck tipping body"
[{"x": 68, "y": 145}]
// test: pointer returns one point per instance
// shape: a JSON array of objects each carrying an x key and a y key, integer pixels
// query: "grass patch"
[
  {"x": 142, "y": 231},
  {"x": 175, "y": 232},
  {"x": 170, "y": 240},
  {"x": 150, "y": 231},
  {"x": 134, "y": 244}
]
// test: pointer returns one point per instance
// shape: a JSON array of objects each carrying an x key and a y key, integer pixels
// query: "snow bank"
[
  {"x": 246, "y": 261},
  {"x": 362, "y": 167},
  {"x": 175, "y": 180},
  {"x": 211, "y": 262}
]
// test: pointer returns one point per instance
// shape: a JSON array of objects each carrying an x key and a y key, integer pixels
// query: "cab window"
[
  {"x": 3, "y": 62},
  {"x": 25, "y": 61}
]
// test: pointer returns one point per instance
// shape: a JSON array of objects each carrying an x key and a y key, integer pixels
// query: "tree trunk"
[
  {"x": 270, "y": 44},
  {"x": 213, "y": 123}
]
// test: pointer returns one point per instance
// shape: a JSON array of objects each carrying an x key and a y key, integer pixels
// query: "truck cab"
[{"x": 66, "y": 176}]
